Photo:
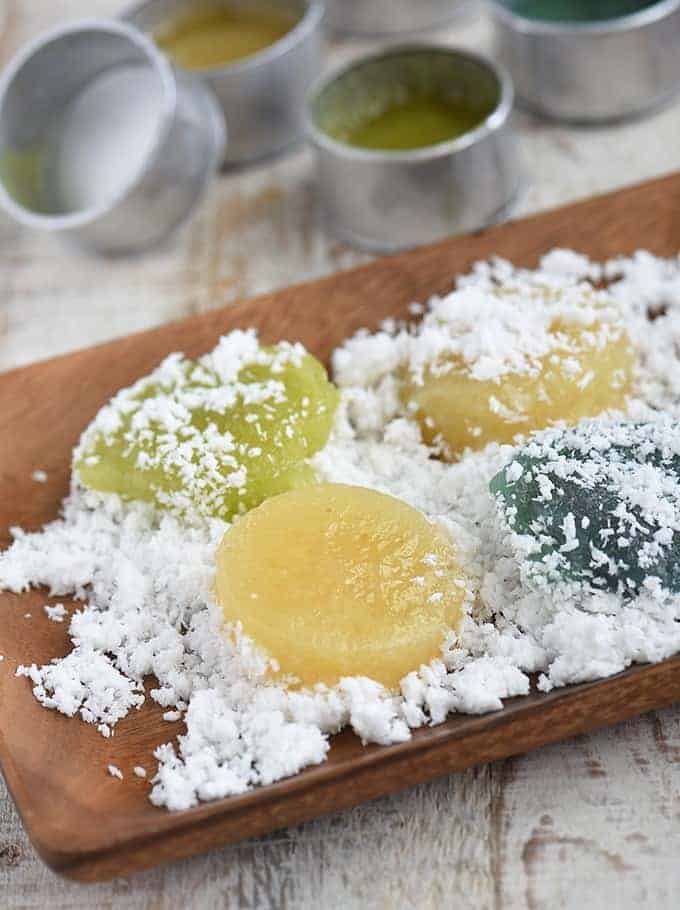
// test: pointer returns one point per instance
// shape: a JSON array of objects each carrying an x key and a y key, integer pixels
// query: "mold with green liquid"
[{"x": 583, "y": 11}]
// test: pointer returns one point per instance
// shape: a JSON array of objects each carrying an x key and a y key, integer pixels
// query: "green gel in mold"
[{"x": 577, "y": 10}]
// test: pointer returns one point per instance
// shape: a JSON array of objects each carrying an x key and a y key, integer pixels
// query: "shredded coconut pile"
[{"x": 144, "y": 577}]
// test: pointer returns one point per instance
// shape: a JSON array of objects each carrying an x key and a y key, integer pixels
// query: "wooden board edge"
[
  {"x": 566, "y": 713},
  {"x": 397, "y": 767}
]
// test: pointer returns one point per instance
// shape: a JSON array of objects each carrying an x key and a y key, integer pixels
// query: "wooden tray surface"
[{"x": 87, "y": 825}]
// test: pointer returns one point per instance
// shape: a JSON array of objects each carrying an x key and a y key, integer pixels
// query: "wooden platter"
[{"x": 87, "y": 825}]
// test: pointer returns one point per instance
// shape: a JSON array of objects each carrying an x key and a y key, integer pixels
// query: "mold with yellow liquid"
[
  {"x": 215, "y": 35},
  {"x": 416, "y": 121}
]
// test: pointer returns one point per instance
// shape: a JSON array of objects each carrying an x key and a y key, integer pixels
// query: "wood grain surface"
[
  {"x": 88, "y": 825},
  {"x": 589, "y": 823}
]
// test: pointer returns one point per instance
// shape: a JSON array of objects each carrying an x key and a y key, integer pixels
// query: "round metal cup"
[
  {"x": 187, "y": 149},
  {"x": 385, "y": 201},
  {"x": 381, "y": 18},
  {"x": 588, "y": 72},
  {"x": 262, "y": 96}
]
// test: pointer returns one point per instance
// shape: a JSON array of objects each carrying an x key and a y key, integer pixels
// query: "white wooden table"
[{"x": 592, "y": 823}]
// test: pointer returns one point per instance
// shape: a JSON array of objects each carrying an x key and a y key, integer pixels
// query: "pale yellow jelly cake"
[
  {"x": 334, "y": 580},
  {"x": 587, "y": 370}
]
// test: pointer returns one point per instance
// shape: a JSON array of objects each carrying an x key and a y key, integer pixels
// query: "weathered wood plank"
[{"x": 595, "y": 823}]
